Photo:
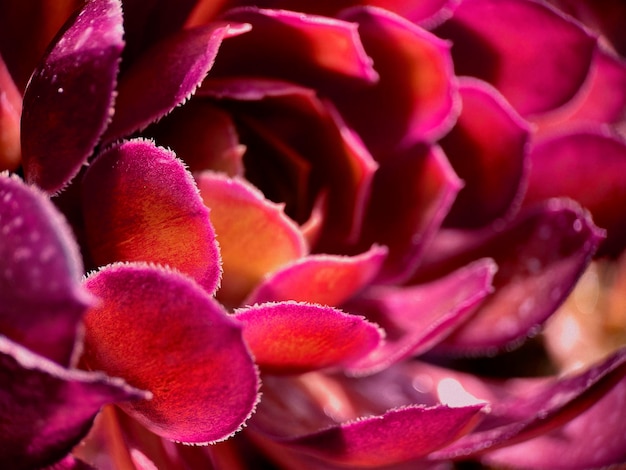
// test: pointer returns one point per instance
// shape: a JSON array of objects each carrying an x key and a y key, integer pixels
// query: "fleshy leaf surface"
[
  {"x": 563, "y": 166},
  {"x": 162, "y": 332},
  {"x": 141, "y": 204},
  {"x": 321, "y": 279},
  {"x": 41, "y": 298},
  {"x": 288, "y": 337},
  {"x": 417, "y": 91},
  {"x": 45, "y": 409},
  {"x": 488, "y": 149},
  {"x": 397, "y": 436},
  {"x": 68, "y": 101},
  {"x": 497, "y": 41},
  {"x": 165, "y": 76},
  {"x": 415, "y": 318},
  {"x": 540, "y": 256},
  {"x": 411, "y": 194},
  {"x": 254, "y": 234}
]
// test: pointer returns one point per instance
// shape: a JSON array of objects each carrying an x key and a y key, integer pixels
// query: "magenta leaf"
[
  {"x": 589, "y": 155},
  {"x": 162, "y": 332},
  {"x": 415, "y": 318},
  {"x": 322, "y": 279},
  {"x": 141, "y": 204},
  {"x": 493, "y": 169},
  {"x": 498, "y": 40},
  {"x": 540, "y": 256},
  {"x": 320, "y": 52},
  {"x": 68, "y": 101},
  {"x": 417, "y": 91},
  {"x": 165, "y": 76},
  {"x": 45, "y": 409},
  {"x": 41, "y": 298},
  {"x": 532, "y": 409},
  {"x": 288, "y": 337}
]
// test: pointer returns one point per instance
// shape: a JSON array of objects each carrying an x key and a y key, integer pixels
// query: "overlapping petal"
[
  {"x": 488, "y": 149},
  {"x": 417, "y": 92},
  {"x": 498, "y": 41},
  {"x": 289, "y": 337},
  {"x": 417, "y": 317},
  {"x": 321, "y": 279},
  {"x": 165, "y": 76},
  {"x": 539, "y": 256},
  {"x": 69, "y": 98},
  {"x": 588, "y": 166},
  {"x": 141, "y": 204},
  {"x": 41, "y": 298},
  {"x": 45, "y": 409},
  {"x": 162, "y": 332},
  {"x": 255, "y": 235}
]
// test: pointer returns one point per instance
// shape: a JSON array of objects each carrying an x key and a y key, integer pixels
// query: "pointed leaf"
[
  {"x": 41, "y": 298},
  {"x": 288, "y": 337},
  {"x": 45, "y": 409},
  {"x": 141, "y": 204},
  {"x": 69, "y": 98},
  {"x": 162, "y": 332}
]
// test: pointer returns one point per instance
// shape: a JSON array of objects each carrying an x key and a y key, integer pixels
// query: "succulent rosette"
[{"x": 276, "y": 227}]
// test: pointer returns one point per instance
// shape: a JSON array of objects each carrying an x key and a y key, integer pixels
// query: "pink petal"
[
  {"x": 417, "y": 317},
  {"x": 141, "y": 204},
  {"x": 319, "y": 153},
  {"x": 540, "y": 257},
  {"x": 45, "y": 409},
  {"x": 534, "y": 408},
  {"x": 324, "y": 53},
  {"x": 417, "y": 92},
  {"x": 488, "y": 149},
  {"x": 203, "y": 136},
  {"x": 254, "y": 234},
  {"x": 411, "y": 195},
  {"x": 41, "y": 298},
  {"x": 289, "y": 337},
  {"x": 498, "y": 41},
  {"x": 162, "y": 332},
  {"x": 10, "y": 113},
  {"x": 399, "y": 435},
  {"x": 322, "y": 279},
  {"x": 70, "y": 463},
  {"x": 596, "y": 438},
  {"x": 588, "y": 156},
  {"x": 68, "y": 101},
  {"x": 166, "y": 76}
]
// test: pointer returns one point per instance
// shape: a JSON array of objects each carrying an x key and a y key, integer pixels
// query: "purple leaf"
[
  {"x": 69, "y": 99},
  {"x": 41, "y": 298},
  {"x": 45, "y": 409}
]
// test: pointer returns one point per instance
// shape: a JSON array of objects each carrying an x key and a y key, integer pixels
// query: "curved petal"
[
  {"x": 321, "y": 279},
  {"x": 161, "y": 331},
  {"x": 70, "y": 463},
  {"x": 417, "y": 317},
  {"x": 320, "y": 52},
  {"x": 45, "y": 409},
  {"x": 595, "y": 439},
  {"x": 10, "y": 113},
  {"x": 488, "y": 149},
  {"x": 397, "y": 436},
  {"x": 411, "y": 195},
  {"x": 141, "y": 204},
  {"x": 540, "y": 256},
  {"x": 289, "y": 337},
  {"x": 254, "y": 234},
  {"x": 166, "y": 76},
  {"x": 589, "y": 156},
  {"x": 498, "y": 40},
  {"x": 41, "y": 298},
  {"x": 69, "y": 98},
  {"x": 417, "y": 92}
]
